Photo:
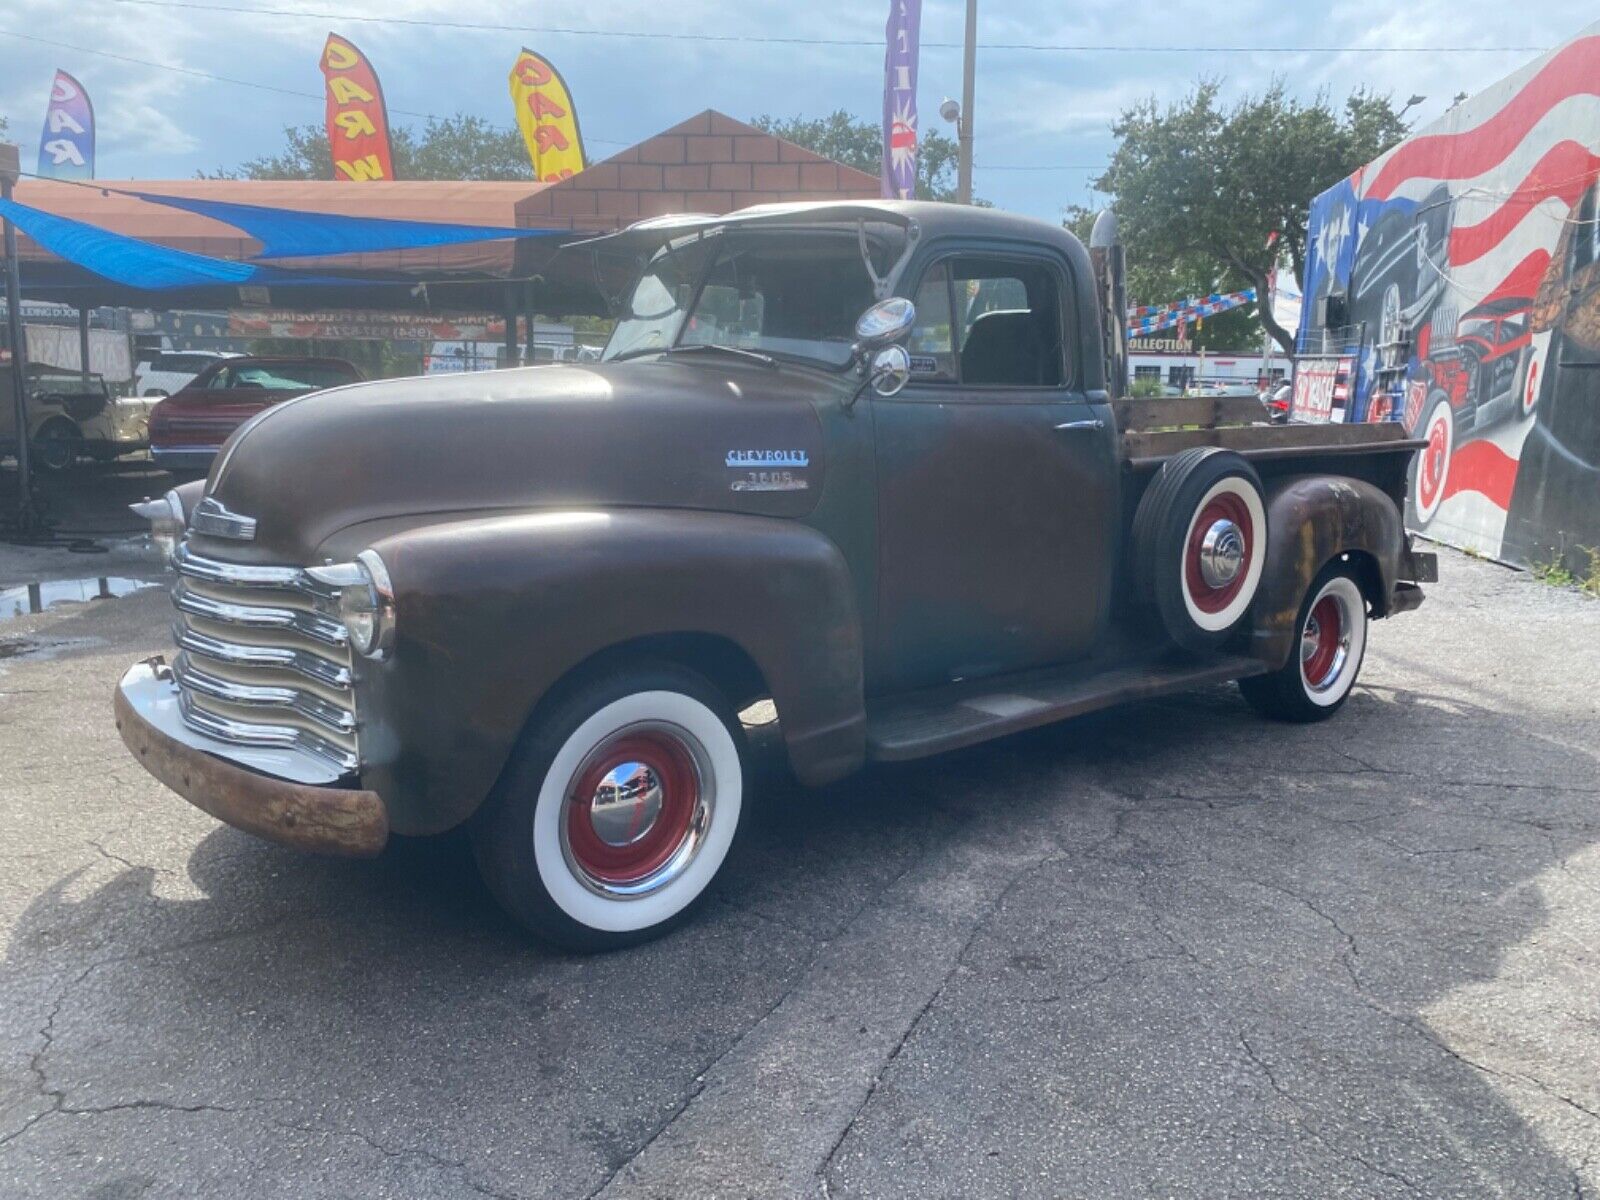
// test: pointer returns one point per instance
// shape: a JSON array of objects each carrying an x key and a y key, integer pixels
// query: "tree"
[
  {"x": 1199, "y": 190},
  {"x": 458, "y": 147},
  {"x": 859, "y": 144}
]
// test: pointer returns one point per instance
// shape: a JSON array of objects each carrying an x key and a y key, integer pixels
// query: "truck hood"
[{"x": 655, "y": 432}]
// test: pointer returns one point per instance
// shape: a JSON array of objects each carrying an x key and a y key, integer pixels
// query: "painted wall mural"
[{"x": 1462, "y": 271}]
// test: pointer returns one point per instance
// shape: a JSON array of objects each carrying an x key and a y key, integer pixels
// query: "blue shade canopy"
[
  {"x": 290, "y": 233},
  {"x": 139, "y": 264}
]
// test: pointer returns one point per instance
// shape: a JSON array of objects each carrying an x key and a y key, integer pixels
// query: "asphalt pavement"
[{"x": 1173, "y": 950}]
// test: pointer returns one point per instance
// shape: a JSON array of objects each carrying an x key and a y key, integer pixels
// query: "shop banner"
[
  {"x": 547, "y": 118},
  {"x": 362, "y": 324},
  {"x": 66, "y": 147},
  {"x": 1321, "y": 389},
  {"x": 902, "y": 37},
  {"x": 358, "y": 121}
]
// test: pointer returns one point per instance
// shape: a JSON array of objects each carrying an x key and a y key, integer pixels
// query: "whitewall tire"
[
  {"x": 618, "y": 810},
  {"x": 1329, "y": 648},
  {"x": 1198, "y": 546}
]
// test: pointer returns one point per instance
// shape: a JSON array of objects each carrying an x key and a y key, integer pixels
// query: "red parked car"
[{"x": 189, "y": 426}]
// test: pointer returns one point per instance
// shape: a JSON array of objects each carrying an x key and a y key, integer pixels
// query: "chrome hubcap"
[
  {"x": 626, "y": 805},
  {"x": 1325, "y": 643},
  {"x": 1221, "y": 553},
  {"x": 638, "y": 809}
]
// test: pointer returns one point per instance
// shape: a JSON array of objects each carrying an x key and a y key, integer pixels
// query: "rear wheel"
[
  {"x": 1329, "y": 649},
  {"x": 617, "y": 811}
]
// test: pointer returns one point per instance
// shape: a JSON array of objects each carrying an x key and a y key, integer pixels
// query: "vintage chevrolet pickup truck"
[{"x": 860, "y": 459}]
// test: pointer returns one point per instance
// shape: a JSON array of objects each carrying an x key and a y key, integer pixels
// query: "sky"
[{"x": 1043, "y": 117}]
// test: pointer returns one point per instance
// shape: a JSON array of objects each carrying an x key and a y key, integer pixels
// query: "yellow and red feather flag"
[
  {"x": 358, "y": 121},
  {"x": 547, "y": 118}
]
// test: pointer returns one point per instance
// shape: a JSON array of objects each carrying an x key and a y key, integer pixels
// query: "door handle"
[{"x": 1093, "y": 423}]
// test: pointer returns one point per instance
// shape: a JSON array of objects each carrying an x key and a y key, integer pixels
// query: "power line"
[
  {"x": 283, "y": 91},
  {"x": 666, "y": 36}
]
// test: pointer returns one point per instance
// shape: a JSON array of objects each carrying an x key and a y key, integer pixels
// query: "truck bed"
[{"x": 1153, "y": 430}]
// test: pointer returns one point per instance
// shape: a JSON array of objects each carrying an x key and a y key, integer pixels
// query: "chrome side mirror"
[
  {"x": 891, "y": 368},
  {"x": 885, "y": 322}
]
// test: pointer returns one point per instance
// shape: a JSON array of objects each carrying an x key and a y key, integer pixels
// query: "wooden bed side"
[{"x": 1269, "y": 441}]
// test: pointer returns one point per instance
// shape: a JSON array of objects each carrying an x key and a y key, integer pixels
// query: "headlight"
[
  {"x": 166, "y": 522},
  {"x": 366, "y": 601}
]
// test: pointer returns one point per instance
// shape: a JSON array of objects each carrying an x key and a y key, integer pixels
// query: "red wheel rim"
[
  {"x": 1320, "y": 641},
  {"x": 1434, "y": 461},
  {"x": 1229, "y": 506},
  {"x": 660, "y": 763}
]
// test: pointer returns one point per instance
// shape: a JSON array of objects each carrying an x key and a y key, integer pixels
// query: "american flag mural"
[{"x": 1464, "y": 268}]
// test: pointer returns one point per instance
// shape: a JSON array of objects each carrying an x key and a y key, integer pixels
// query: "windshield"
[
  {"x": 283, "y": 377},
  {"x": 795, "y": 295}
]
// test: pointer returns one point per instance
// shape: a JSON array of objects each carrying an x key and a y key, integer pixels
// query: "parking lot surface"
[{"x": 1173, "y": 950}]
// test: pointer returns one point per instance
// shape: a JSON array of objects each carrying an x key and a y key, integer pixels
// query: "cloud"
[{"x": 1034, "y": 108}]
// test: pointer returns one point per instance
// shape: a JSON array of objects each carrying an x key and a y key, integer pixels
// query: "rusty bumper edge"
[{"x": 324, "y": 820}]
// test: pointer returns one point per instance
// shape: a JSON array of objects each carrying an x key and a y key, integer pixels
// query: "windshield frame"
[{"x": 703, "y": 278}]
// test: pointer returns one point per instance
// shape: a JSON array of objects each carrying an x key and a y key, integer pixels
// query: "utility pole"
[
  {"x": 964, "y": 129},
  {"x": 10, "y": 172}
]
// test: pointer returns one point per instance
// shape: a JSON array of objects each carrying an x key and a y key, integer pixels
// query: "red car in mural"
[
  {"x": 1468, "y": 384},
  {"x": 189, "y": 426}
]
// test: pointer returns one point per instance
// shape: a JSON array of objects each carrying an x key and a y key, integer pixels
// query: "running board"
[{"x": 940, "y": 719}]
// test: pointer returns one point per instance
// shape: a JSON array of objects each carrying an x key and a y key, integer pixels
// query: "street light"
[
  {"x": 1412, "y": 103},
  {"x": 960, "y": 115}
]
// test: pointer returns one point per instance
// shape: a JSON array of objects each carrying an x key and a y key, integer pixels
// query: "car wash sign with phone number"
[{"x": 1321, "y": 388}]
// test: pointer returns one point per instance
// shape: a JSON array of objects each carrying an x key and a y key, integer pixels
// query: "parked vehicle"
[
  {"x": 170, "y": 371},
  {"x": 1279, "y": 401},
  {"x": 533, "y": 602},
  {"x": 68, "y": 420},
  {"x": 188, "y": 428}
]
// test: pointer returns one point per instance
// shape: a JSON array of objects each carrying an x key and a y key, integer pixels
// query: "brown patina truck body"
[{"x": 901, "y": 574}]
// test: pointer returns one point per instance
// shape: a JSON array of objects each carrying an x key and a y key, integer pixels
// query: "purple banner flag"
[
  {"x": 900, "y": 99},
  {"x": 66, "y": 147}
]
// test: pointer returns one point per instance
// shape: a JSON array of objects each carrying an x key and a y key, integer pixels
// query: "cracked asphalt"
[{"x": 1168, "y": 951}]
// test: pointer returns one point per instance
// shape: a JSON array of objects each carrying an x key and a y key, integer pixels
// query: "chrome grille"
[{"x": 263, "y": 659}]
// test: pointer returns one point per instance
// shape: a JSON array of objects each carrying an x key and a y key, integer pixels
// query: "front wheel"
[
  {"x": 618, "y": 809},
  {"x": 1332, "y": 642},
  {"x": 55, "y": 446}
]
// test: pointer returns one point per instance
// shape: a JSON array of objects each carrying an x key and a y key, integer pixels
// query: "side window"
[
  {"x": 932, "y": 342},
  {"x": 1008, "y": 322},
  {"x": 222, "y": 379}
]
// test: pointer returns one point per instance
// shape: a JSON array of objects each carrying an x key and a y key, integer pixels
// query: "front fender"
[
  {"x": 492, "y": 611},
  {"x": 1311, "y": 519}
]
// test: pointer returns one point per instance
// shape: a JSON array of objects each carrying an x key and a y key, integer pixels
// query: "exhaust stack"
[{"x": 1110, "y": 273}]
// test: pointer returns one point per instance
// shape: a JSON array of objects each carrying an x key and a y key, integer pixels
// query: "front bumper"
[{"x": 325, "y": 820}]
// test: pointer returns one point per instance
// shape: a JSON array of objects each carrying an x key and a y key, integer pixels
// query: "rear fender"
[
  {"x": 1311, "y": 520},
  {"x": 493, "y": 612}
]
